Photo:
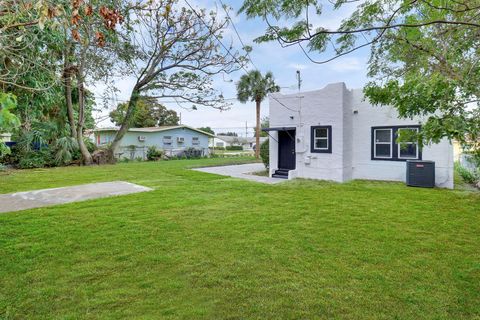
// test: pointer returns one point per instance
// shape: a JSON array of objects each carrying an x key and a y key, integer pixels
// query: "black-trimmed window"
[
  {"x": 385, "y": 145},
  {"x": 321, "y": 139}
]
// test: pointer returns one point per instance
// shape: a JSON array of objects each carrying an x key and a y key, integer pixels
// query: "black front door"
[{"x": 286, "y": 149}]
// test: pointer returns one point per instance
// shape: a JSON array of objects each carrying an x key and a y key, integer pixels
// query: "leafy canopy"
[
  {"x": 148, "y": 113},
  {"x": 255, "y": 87},
  {"x": 207, "y": 129}
]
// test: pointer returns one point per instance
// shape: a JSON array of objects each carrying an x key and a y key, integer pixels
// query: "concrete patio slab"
[
  {"x": 242, "y": 171},
  {"x": 47, "y": 197}
]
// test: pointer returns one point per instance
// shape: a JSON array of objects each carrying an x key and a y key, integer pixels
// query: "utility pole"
[
  {"x": 180, "y": 118},
  {"x": 246, "y": 130},
  {"x": 299, "y": 80}
]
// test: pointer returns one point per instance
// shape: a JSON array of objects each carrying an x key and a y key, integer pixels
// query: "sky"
[{"x": 282, "y": 62}]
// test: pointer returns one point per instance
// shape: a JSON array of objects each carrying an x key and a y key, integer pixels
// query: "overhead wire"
[
  {"x": 215, "y": 36},
  {"x": 238, "y": 34}
]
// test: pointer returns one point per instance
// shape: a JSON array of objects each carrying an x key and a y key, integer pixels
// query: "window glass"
[
  {"x": 382, "y": 150},
  {"x": 321, "y": 143},
  {"x": 321, "y": 139},
  {"x": 408, "y": 150},
  {"x": 383, "y": 143},
  {"x": 383, "y": 135},
  {"x": 167, "y": 140},
  {"x": 386, "y": 145},
  {"x": 321, "y": 133}
]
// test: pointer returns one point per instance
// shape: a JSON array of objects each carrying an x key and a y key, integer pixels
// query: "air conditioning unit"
[
  {"x": 180, "y": 139},
  {"x": 421, "y": 173},
  {"x": 141, "y": 138}
]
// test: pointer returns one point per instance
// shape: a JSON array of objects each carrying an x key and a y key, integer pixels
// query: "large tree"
[
  {"x": 255, "y": 87},
  {"x": 207, "y": 129},
  {"x": 180, "y": 50},
  {"x": 48, "y": 53},
  {"x": 87, "y": 57},
  {"x": 424, "y": 53},
  {"x": 148, "y": 113}
]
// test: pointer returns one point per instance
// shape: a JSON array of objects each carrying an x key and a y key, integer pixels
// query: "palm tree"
[{"x": 255, "y": 87}]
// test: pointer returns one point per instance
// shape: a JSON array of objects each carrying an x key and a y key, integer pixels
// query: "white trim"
[
  {"x": 315, "y": 138},
  {"x": 375, "y": 143}
]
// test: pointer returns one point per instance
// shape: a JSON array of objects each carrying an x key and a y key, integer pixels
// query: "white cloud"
[
  {"x": 347, "y": 64},
  {"x": 297, "y": 66}
]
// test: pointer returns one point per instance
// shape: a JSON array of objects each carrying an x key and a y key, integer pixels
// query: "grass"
[
  {"x": 203, "y": 246},
  {"x": 263, "y": 173},
  {"x": 460, "y": 183}
]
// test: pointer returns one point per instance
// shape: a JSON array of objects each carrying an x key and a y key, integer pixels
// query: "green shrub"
[
  {"x": 192, "y": 153},
  {"x": 467, "y": 175},
  {"x": 90, "y": 145},
  {"x": 218, "y": 148},
  {"x": 64, "y": 149},
  {"x": 36, "y": 159},
  {"x": 234, "y": 148},
  {"x": 12, "y": 157},
  {"x": 265, "y": 153},
  {"x": 154, "y": 154}
]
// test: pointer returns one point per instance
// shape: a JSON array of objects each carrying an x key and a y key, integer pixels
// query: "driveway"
[
  {"x": 242, "y": 171},
  {"x": 47, "y": 197}
]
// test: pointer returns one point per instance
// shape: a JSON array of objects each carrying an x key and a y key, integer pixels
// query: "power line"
[
  {"x": 238, "y": 35},
  {"x": 115, "y": 99},
  {"x": 215, "y": 36},
  {"x": 283, "y": 105}
]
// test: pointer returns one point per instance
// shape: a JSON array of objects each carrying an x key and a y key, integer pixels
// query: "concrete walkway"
[
  {"x": 47, "y": 197},
  {"x": 242, "y": 171}
]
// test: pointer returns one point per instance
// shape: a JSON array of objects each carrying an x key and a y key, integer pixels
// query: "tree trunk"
[
  {"x": 67, "y": 83},
  {"x": 132, "y": 104},
  {"x": 87, "y": 157},
  {"x": 257, "y": 132}
]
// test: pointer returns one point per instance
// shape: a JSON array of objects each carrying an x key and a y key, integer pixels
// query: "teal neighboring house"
[{"x": 174, "y": 140}]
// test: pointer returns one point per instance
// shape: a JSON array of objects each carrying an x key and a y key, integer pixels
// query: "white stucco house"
[{"x": 335, "y": 134}]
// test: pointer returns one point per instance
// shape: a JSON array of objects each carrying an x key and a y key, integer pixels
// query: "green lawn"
[{"x": 202, "y": 246}]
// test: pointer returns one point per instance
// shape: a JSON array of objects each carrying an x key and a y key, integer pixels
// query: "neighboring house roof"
[{"x": 155, "y": 129}]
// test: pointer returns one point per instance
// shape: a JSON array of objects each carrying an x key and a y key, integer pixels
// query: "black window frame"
[
  {"x": 312, "y": 139},
  {"x": 393, "y": 143}
]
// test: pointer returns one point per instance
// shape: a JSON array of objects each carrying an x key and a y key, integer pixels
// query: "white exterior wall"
[
  {"x": 369, "y": 116},
  {"x": 334, "y": 105}
]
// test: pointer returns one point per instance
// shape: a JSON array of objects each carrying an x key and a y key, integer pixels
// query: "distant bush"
[
  {"x": 90, "y": 145},
  {"x": 265, "y": 153},
  {"x": 36, "y": 159},
  {"x": 10, "y": 158},
  {"x": 219, "y": 148},
  {"x": 154, "y": 154},
  {"x": 234, "y": 148},
  {"x": 468, "y": 176},
  {"x": 192, "y": 153}
]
